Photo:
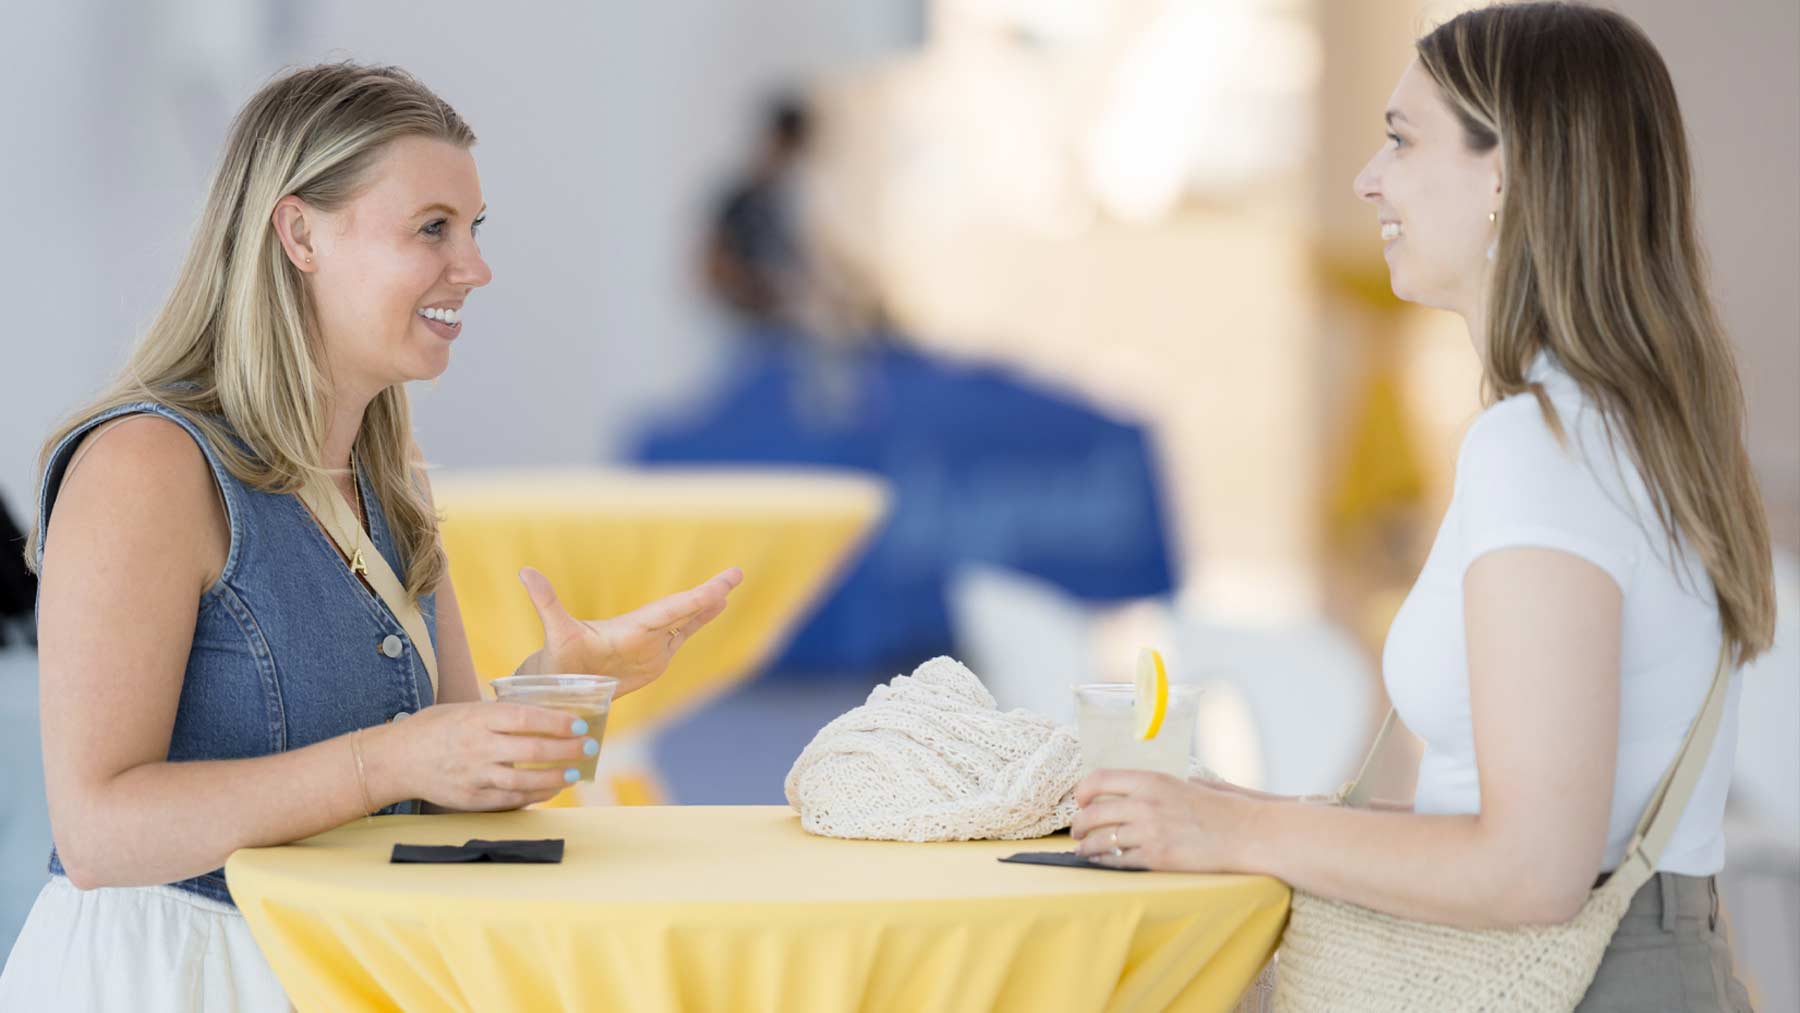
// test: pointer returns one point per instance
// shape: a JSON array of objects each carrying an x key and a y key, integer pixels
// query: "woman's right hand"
[{"x": 460, "y": 755}]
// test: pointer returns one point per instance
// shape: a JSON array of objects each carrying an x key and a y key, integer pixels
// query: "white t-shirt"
[{"x": 1516, "y": 486}]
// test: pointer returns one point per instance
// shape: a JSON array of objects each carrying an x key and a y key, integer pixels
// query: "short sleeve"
[{"x": 1519, "y": 486}]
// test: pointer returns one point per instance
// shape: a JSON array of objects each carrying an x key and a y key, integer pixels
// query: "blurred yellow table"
[
  {"x": 611, "y": 540},
  {"x": 736, "y": 908}
]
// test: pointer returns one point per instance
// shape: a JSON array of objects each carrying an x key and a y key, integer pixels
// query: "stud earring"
[{"x": 1492, "y": 216}]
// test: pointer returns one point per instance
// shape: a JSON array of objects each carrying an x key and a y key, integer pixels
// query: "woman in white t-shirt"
[{"x": 1605, "y": 532}]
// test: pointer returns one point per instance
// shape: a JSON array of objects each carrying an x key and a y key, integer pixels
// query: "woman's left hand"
[
  {"x": 1141, "y": 820},
  {"x": 634, "y": 648}
]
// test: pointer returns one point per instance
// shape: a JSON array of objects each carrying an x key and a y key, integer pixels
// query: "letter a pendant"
[{"x": 357, "y": 566}]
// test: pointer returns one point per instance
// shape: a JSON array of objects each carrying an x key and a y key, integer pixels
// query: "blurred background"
[{"x": 1027, "y": 331}]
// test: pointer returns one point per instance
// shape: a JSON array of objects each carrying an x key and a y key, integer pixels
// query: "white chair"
[
  {"x": 1028, "y": 641},
  {"x": 1309, "y": 690},
  {"x": 1287, "y": 708}
]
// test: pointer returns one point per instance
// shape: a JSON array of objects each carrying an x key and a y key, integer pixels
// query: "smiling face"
[
  {"x": 398, "y": 255},
  {"x": 1433, "y": 196}
]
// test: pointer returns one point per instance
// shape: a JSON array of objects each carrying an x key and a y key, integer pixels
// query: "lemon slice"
[{"x": 1152, "y": 701}]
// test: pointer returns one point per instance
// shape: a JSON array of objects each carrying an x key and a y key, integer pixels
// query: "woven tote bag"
[{"x": 1348, "y": 959}]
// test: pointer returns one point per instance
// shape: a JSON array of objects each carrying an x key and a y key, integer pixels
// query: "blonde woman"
[
  {"x": 217, "y": 673},
  {"x": 1605, "y": 536}
]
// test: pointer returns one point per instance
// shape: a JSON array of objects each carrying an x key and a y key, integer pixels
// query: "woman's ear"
[{"x": 293, "y": 221}]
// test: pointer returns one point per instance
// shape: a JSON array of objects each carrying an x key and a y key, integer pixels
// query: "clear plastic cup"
[
  {"x": 1107, "y": 725},
  {"x": 588, "y": 697}
]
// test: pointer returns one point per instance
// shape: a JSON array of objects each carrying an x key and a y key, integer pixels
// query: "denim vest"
[{"x": 290, "y": 648}]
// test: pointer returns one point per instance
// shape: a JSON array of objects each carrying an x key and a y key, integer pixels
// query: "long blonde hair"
[
  {"x": 1598, "y": 262},
  {"x": 234, "y": 348}
]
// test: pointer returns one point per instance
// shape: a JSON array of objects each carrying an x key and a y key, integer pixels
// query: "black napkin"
[
  {"x": 548, "y": 852},
  {"x": 1068, "y": 858}
]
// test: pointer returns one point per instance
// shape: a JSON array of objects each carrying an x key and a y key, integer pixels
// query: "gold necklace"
[{"x": 357, "y": 565}]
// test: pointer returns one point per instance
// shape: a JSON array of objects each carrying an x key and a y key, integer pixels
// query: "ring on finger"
[{"x": 1117, "y": 852}]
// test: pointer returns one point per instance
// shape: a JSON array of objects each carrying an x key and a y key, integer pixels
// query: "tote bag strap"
[
  {"x": 1356, "y": 794},
  {"x": 1671, "y": 796},
  {"x": 334, "y": 515}
]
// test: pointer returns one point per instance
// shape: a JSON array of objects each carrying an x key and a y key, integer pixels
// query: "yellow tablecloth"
[
  {"x": 612, "y": 540},
  {"x": 737, "y": 908}
]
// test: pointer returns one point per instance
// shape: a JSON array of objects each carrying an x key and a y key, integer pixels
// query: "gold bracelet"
[{"x": 362, "y": 777}]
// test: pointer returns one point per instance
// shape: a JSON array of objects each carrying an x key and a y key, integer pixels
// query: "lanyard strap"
[{"x": 333, "y": 514}]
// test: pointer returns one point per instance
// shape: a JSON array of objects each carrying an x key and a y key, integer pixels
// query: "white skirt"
[{"x": 149, "y": 949}]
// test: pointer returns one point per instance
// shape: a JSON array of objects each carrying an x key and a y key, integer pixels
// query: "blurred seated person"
[{"x": 755, "y": 261}]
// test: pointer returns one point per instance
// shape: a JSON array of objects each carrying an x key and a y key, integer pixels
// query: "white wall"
[
  {"x": 1737, "y": 73},
  {"x": 50, "y": 177},
  {"x": 116, "y": 116},
  {"x": 603, "y": 130},
  {"x": 601, "y": 136}
]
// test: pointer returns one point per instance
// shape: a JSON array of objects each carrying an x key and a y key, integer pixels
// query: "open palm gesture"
[{"x": 635, "y": 647}]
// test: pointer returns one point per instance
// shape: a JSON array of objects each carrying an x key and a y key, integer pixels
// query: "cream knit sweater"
[{"x": 930, "y": 758}]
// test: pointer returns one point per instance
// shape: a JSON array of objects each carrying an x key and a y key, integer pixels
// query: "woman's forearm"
[
  {"x": 1446, "y": 869},
  {"x": 164, "y": 822},
  {"x": 1381, "y": 804}
]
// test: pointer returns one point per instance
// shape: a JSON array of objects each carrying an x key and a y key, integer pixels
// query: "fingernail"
[
  {"x": 571, "y": 775},
  {"x": 591, "y": 747},
  {"x": 579, "y": 728}
]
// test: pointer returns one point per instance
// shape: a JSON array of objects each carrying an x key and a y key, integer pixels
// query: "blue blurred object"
[{"x": 985, "y": 467}]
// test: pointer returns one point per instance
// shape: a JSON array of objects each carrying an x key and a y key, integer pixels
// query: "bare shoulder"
[
  {"x": 141, "y": 491},
  {"x": 142, "y": 456}
]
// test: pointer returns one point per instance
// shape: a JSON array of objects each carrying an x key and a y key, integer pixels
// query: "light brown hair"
[
  {"x": 235, "y": 346},
  {"x": 1598, "y": 263}
]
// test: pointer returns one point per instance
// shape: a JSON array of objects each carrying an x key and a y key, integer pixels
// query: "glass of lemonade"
[
  {"x": 588, "y": 697},
  {"x": 1107, "y": 725}
]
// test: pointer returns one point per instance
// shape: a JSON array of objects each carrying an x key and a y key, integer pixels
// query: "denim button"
[
  {"x": 391, "y": 646},
  {"x": 398, "y": 716}
]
